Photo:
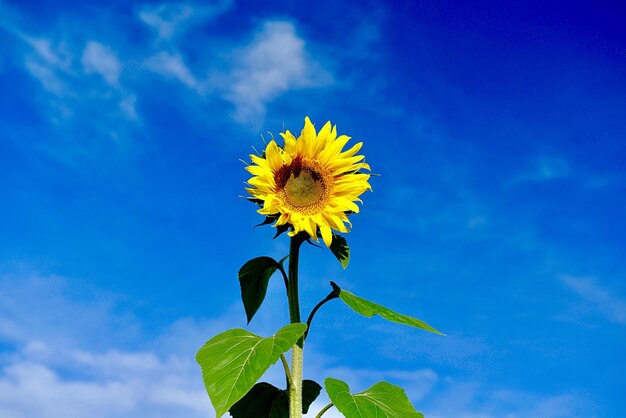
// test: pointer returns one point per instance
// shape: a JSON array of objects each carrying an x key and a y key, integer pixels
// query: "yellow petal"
[
  {"x": 273, "y": 157},
  {"x": 311, "y": 228},
  {"x": 327, "y": 234}
]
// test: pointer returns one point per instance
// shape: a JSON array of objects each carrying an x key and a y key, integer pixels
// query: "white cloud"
[
  {"x": 45, "y": 75},
  {"x": 30, "y": 389},
  {"x": 60, "y": 61},
  {"x": 62, "y": 76},
  {"x": 167, "y": 19},
  {"x": 172, "y": 65},
  {"x": 545, "y": 168},
  {"x": 466, "y": 399},
  {"x": 69, "y": 362},
  {"x": 56, "y": 56},
  {"x": 98, "y": 58},
  {"x": 275, "y": 62},
  {"x": 36, "y": 308},
  {"x": 550, "y": 168},
  {"x": 597, "y": 298},
  {"x": 62, "y": 58},
  {"x": 49, "y": 63}
]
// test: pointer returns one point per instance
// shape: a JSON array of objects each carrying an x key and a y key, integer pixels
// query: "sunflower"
[{"x": 309, "y": 184}]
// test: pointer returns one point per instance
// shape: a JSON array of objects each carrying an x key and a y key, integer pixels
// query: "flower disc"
[{"x": 310, "y": 183}]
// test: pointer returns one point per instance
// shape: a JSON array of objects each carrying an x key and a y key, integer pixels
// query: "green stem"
[
  {"x": 324, "y": 409},
  {"x": 295, "y": 390}
]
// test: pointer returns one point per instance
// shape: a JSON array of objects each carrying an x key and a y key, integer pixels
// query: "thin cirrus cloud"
[
  {"x": 49, "y": 64},
  {"x": 171, "y": 18},
  {"x": 86, "y": 66},
  {"x": 171, "y": 65},
  {"x": 544, "y": 168},
  {"x": 597, "y": 298},
  {"x": 97, "y": 58},
  {"x": 63, "y": 71},
  {"x": 470, "y": 399}
]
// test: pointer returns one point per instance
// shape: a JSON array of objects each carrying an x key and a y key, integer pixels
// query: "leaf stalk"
[
  {"x": 324, "y": 409},
  {"x": 332, "y": 295}
]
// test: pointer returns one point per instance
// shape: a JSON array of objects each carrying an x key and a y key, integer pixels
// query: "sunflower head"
[{"x": 310, "y": 184}]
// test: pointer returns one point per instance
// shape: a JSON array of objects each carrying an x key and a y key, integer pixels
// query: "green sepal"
[
  {"x": 383, "y": 400},
  {"x": 253, "y": 279},
  {"x": 339, "y": 247},
  {"x": 233, "y": 361},
  {"x": 280, "y": 229},
  {"x": 369, "y": 309},
  {"x": 308, "y": 241},
  {"x": 267, "y": 401},
  {"x": 268, "y": 220},
  {"x": 256, "y": 201}
]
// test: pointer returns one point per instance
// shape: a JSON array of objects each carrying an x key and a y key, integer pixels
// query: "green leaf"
[
  {"x": 369, "y": 309},
  {"x": 234, "y": 360},
  {"x": 310, "y": 391},
  {"x": 383, "y": 400},
  {"x": 263, "y": 401},
  {"x": 339, "y": 247},
  {"x": 267, "y": 401},
  {"x": 253, "y": 279}
]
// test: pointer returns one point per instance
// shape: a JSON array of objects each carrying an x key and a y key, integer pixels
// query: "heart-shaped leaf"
[
  {"x": 253, "y": 279},
  {"x": 234, "y": 360},
  {"x": 369, "y": 309},
  {"x": 383, "y": 400},
  {"x": 310, "y": 391},
  {"x": 267, "y": 401},
  {"x": 339, "y": 247}
]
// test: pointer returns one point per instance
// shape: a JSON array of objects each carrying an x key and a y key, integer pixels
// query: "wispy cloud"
[
  {"x": 597, "y": 298},
  {"x": 69, "y": 361},
  {"x": 467, "y": 399},
  {"x": 61, "y": 69},
  {"x": 544, "y": 168},
  {"x": 98, "y": 58},
  {"x": 171, "y": 18},
  {"x": 171, "y": 65},
  {"x": 72, "y": 99},
  {"x": 83, "y": 67},
  {"x": 275, "y": 62},
  {"x": 48, "y": 63}
]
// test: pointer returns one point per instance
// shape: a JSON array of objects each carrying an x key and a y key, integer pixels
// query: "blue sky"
[{"x": 498, "y": 217}]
